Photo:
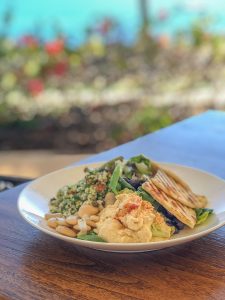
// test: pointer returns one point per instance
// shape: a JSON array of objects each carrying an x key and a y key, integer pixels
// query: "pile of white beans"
[{"x": 81, "y": 223}]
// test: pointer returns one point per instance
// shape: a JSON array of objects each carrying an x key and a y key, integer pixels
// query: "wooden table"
[{"x": 36, "y": 266}]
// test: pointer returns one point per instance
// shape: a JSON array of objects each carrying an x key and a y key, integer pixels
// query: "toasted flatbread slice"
[
  {"x": 176, "y": 178},
  {"x": 183, "y": 213},
  {"x": 173, "y": 189}
]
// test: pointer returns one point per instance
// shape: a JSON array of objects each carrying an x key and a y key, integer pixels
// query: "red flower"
[
  {"x": 105, "y": 27},
  {"x": 28, "y": 40},
  {"x": 60, "y": 68},
  {"x": 35, "y": 86},
  {"x": 54, "y": 47}
]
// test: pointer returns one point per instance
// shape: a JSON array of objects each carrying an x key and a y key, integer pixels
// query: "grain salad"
[{"x": 92, "y": 190}]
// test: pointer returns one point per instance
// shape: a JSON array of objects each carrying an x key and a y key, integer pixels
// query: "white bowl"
[{"x": 33, "y": 204}]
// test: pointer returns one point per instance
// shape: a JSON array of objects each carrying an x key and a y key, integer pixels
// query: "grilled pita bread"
[
  {"x": 183, "y": 213},
  {"x": 156, "y": 167},
  {"x": 173, "y": 189}
]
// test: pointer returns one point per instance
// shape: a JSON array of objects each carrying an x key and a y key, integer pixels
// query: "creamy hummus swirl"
[{"x": 128, "y": 220}]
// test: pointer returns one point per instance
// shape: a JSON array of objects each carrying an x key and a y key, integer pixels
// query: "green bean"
[
  {"x": 125, "y": 184},
  {"x": 148, "y": 198},
  {"x": 115, "y": 177},
  {"x": 118, "y": 187}
]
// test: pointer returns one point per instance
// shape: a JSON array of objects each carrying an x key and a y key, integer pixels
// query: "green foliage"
[
  {"x": 199, "y": 31},
  {"x": 101, "y": 86},
  {"x": 149, "y": 119}
]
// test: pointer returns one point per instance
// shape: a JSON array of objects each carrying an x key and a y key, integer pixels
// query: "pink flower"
[
  {"x": 35, "y": 86},
  {"x": 54, "y": 47},
  {"x": 28, "y": 40}
]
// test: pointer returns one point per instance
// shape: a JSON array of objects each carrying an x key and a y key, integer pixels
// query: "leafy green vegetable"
[
  {"x": 115, "y": 177},
  {"x": 144, "y": 195},
  {"x": 93, "y": 237},
  {"x": 111, "y": 164},
  {"x": 162, "y": 230},
  {"x": 125, "y": 185},
  {"x": 202, "y": 214},
  {"x": 142, "y": 163},
  {"x": 139, "y": 159},
  {"x": 127, "y": 171},
  {"x": 142, "y": 168}
]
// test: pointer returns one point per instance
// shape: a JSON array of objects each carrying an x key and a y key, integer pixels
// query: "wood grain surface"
[{"x": 36, "y": 266}]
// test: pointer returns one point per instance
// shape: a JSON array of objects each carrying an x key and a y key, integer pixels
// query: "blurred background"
[{"x": 79, "y": 77}]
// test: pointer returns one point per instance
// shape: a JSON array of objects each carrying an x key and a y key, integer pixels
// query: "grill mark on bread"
[
  {"x": 183, "y": 213},
  {"x": 172, "y": 185},
  {"x": 177, "y": 191}
]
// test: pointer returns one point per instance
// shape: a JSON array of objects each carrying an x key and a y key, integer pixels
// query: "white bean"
[
  {"x": 62, "y": 221},
  {"x": 54, "y": 215},
  {"x": 91, "y": 223},
  {"x": 87, "y": 210},
  {"x": 71, "y": 220},
  {"x": 52, "y": 222},
  {"x": 109, "y": 199},
  {"x": 65, "y": 231},
  {"x": 94, "y": 218},
  {"x": 82, "y": 227}
]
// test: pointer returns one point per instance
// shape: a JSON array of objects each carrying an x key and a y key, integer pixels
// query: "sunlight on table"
[{"x": 31, "y": 164}]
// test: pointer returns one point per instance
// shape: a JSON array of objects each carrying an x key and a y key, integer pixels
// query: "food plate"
[{"x": 33, "y": 205}]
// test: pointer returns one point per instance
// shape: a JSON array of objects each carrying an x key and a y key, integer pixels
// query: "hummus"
[{"x": 128, "y": 220}]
